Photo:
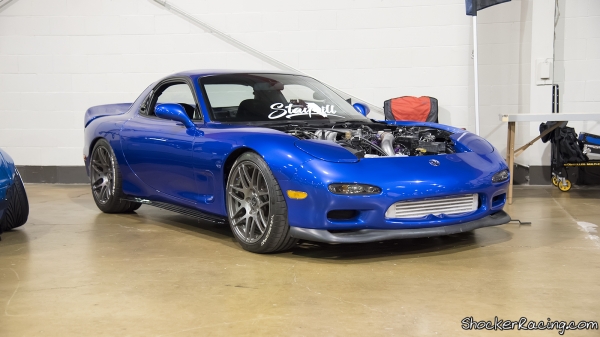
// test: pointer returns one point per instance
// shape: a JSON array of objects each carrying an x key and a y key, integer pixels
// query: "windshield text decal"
[{"x": 290, "y": 110}]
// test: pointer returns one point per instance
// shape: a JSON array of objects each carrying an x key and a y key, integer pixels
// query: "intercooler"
[{"x": 453, "y": 205}]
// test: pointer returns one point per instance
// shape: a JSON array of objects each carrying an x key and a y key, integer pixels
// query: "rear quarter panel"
[{"x": 105, "y": 121}]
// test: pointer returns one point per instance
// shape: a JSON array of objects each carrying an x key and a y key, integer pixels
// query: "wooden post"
[{"x": 510, "y": 154}]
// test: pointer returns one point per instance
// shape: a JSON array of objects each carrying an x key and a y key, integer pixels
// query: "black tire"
[
  {"x": 246, "y": 201},
  {"x": 105, "y": 181},
  {"x": 134, "y": 206},
  {"x": 17, "y": 210}
]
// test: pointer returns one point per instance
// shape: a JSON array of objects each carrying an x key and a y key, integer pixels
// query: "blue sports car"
[
  {"x": 14, "y": 206},
  {"x": 282, "y": 157}
]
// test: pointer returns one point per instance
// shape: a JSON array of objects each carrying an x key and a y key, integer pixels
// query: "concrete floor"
[{"x": 73, "y": 271}]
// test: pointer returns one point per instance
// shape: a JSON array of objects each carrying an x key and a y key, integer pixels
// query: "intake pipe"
[
  {"x": 387, "y": 143},
  {"x": 326, "y": 135}
]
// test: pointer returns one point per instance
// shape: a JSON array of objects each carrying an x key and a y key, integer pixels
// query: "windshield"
[{"x": 274, "y": 97}]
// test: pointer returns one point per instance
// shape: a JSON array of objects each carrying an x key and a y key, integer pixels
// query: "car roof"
[{"x": 211, "y": 72}]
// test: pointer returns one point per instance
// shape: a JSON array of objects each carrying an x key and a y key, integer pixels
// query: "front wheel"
[
  {"x": 105, "y": 179},
  {"x": 256, "y": 208}
]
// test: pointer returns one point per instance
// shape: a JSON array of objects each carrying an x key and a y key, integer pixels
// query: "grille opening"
[
  {"x": 420, "y": 208},
  {"x": 498, "y": 200},
  {"x": 342, "y": 214},
  {"x": 342, "y": 231}
]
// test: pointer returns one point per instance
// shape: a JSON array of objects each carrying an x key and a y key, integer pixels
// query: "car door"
[{"x": 159, "y": 151}]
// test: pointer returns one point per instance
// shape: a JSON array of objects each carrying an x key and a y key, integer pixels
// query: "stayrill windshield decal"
[{"x": 290, "y": 110}]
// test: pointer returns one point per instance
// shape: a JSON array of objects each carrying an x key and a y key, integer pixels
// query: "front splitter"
[{"x": 374, "y": 235}]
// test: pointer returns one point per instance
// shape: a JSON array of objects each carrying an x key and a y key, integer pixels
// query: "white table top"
[{"x": 550, "y": 117}]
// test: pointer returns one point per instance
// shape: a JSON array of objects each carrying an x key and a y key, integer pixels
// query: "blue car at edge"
[
  {"x": 282, "y": 157},
  {"x": 14, "y": 205}
]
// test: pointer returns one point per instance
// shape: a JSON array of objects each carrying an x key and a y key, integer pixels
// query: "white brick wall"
[
  {"x": 59, "y": 57},
  {"x": 577, "y": 60},
  {"x": 504, "y": 68}
]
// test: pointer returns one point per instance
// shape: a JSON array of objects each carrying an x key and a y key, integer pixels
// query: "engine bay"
[{"x": 372, "y": 140}]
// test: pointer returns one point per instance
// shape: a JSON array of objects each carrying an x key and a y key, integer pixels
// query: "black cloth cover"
[{"x": 476, "y": 5}]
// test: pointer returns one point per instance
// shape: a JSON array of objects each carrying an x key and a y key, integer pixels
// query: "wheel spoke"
[
  {"x": 102, "y": 192},
  {"x": 247, "y": 227},
  {"x": 106, "y": 157},
  {"x": 96, "y": 166},
  {"x": 241, "y": 175},
  {"x": 98, "y": 183},
  {"x": 102, "y": 157},
  {"x": 262, "y": 223},
  {"x": 240, "y": 214},
  {"x": 251, "y": 230},
  {"x": 254, "y": 178},
  {"x": 237, "y": 188},
  {"x": 108, "y": 161},
  {"x": 262, "y": 190},
  {"x": 247, "y": 176},
  {"x": 234, "y": 196}
]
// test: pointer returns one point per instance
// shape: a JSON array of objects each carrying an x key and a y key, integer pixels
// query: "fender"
[{"x": 6, "y": 173}]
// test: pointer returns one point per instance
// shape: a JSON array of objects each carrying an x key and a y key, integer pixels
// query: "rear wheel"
[
  {"x": 256, "y": 208},
  {"x": 17, "y": 210},
  {"x": 105, "y": 179}
]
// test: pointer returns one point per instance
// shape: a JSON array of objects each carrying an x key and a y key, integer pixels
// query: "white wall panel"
[
  {"x": 577, "y": 60},
  {"x": 57, "y": 58},
  {"x": 504, "y": 68}
]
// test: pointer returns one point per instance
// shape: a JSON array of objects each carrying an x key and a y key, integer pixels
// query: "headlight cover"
[
  {"x": 354, "y": 189},
  {"x": 500, "y": 176}
]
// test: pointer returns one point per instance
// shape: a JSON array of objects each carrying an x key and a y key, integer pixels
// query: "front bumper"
[
  {"x": 374, "y": 235},
  {"x": 401, "y": 179}
]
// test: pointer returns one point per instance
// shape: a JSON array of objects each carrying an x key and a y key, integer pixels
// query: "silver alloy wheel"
[
  {"x": 103, "y": 175},
  {"x": 248, "y": 202}
]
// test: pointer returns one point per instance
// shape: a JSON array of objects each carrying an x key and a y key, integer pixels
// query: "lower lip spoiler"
[{"x": 374, "y": 235}]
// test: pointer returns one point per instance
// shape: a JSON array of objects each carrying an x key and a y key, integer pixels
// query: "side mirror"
[
  {"x": 174, "y": 112},
  {"x": 362, "y": 108}
]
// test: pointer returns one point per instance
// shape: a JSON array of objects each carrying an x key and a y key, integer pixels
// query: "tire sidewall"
[{"x": 17, "y": 205}]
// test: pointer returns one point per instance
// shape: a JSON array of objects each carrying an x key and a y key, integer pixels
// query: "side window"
[{"x": 178, "y": 93}]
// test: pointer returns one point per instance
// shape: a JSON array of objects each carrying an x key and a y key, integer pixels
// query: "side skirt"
[{"x": 194, "y": 213}]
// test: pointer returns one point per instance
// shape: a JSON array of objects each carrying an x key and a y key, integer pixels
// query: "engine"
[{"x": 374, "y": 140}]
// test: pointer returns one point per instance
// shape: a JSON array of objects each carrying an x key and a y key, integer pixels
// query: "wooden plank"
[
  {"x": 524, "y": 147},
  {"x": 511, "y": 158}
]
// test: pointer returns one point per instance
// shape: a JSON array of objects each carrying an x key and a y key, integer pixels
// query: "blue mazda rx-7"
[{"x": 282, "y": 157}]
